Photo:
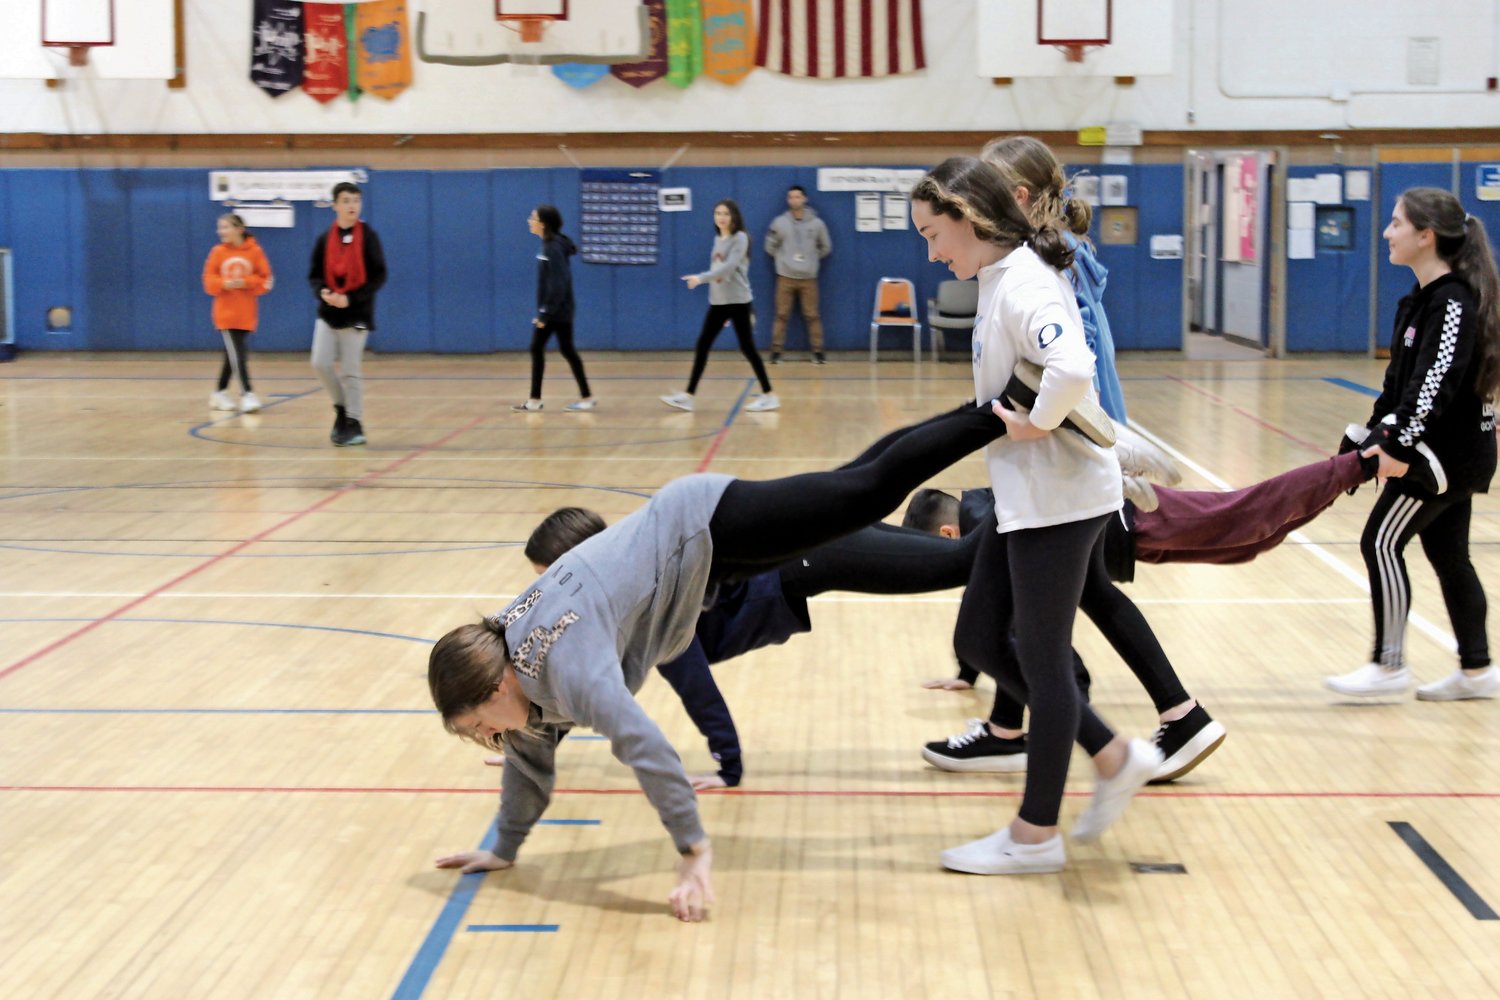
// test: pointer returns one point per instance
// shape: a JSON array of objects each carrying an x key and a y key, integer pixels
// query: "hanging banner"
[
  {"x": 684, "y": 42},
  {"x": 728, "y": 40},
  {"x": 654, "y": 66},
  {"x": 276, "y": 46},
  {"x": 580, "y": 75},
  {"x": 834, "y": 39},
  {"x": 326, "y": 71},
  {"x": 383, "y": 55},
  {"x": 351, "y": 15}
]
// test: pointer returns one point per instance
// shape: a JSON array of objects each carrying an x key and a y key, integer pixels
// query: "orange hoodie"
[{"x": 235, "y": 308}]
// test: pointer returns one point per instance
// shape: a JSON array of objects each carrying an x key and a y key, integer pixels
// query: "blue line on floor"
[
  {"x": 425, "y": 963},
  {"x": 521, "y": 928},
  {"x": 1452, "y": 880},
  {"x": 1344, "y": 383}
]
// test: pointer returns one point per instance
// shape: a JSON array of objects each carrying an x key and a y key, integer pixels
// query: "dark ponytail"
[
  {"x": 968, "y": 188},
  {"x": 1463, "y": 244}
]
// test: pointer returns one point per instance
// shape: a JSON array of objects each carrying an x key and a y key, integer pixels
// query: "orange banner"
[{"x": 383, "y": 37}]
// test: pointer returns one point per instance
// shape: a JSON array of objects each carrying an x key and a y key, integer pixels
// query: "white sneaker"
[
  {"x": 1139, "y": 491},
  {"x": 1112, "y": 795},
  {"x": 997, "y": 854},
  {"x": 249, "y": 403},
  {"x": 221, "y": 400},
  {"x": 530, "y": 406},
  {"x": 681, "y": 400},
  {"x": 1370, "y": 681},
  {"x": 1459, "y": 686},
  {"x": 1139, "y": 457},
  {"x": 765, "y": 401},
  {"x": 582, "y": 404}
]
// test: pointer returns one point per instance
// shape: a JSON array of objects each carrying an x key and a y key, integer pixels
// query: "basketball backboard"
[
  {"x": 1114, "y": 38},
  {"x": 124, "y": 39},
  {"x": 487, "y": 32}
]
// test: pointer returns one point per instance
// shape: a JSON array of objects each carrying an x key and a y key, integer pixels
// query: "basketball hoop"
[
  {"x": 531, "y": 29},
  {"x": 528, "y": 18},
  {"x": 1073, "y": 52},
  {"x": 78, "y": 55}
]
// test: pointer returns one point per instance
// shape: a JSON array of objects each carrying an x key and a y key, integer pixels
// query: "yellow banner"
[{"x": 1092, "y": 136}]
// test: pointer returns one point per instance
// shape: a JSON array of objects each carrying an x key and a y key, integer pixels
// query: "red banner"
[{"x": 326, "y": 72}]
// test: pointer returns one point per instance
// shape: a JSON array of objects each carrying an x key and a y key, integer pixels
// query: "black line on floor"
[{"x": 1452, "y": 880}]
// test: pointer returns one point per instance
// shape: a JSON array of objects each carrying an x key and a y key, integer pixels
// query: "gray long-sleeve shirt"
[
  {"x": 583, "y": 638},
  {"x": 798, "y": 245},
  {"x": 728, "y": 274}
]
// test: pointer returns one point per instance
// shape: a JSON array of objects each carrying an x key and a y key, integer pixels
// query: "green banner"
[
  {"x": 684, "y": 42},
  {"x": 351, "y": 14}
]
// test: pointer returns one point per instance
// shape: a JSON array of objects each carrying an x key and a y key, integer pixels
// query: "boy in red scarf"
[{"x": 348, "y": 268}]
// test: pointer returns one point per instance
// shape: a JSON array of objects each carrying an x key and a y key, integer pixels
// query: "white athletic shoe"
[
  {"x": 1459, "y": 686},
  {"x": 997, "y": 854},
  {"x": 249, "y": 403},
  {"x": 1139, "y": 457},
  {"x": 681, "y": 400},
  {"x": 221, "y": 400},
  {"x": 582, "y": 404},
  {"x": 1370, "y": 681},
  {"x": 530, "y": 406},
  {"x": 1112, "y": 795},
  {"x": 765, "y": 401}
]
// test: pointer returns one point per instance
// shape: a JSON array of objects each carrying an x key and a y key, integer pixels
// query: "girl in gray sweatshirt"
[{"x": 728, "y": 281}]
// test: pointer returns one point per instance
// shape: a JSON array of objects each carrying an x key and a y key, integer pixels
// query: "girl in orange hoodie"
[{"x": 235, "y": 274}]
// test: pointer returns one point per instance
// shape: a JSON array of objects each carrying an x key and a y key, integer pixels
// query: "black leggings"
[
  {"x": 539, "y": 335},
  {"x": 1443, "y": 525},
  {"x": 881, "y": 559},
  {"x": 1122, "y": 624},
  {"x": 761, "y": 524},
  {"x": 1034, "y": 578},
  {"x": 239, "y": 363},
  {"x": 737, "y": 313}
]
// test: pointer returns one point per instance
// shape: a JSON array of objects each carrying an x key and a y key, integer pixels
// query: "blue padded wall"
[
  {"x": 125, "y": 249},
  {"x": 1328, "y": 296}
]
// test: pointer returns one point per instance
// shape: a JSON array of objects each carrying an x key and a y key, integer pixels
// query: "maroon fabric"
[{"x": 1202, "y": 526}]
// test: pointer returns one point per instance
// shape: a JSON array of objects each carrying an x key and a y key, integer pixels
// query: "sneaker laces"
[{"x": 978, "y": 729}]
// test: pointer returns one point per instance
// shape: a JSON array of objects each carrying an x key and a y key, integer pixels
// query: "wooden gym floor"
[{"x": 221, "y": 775}]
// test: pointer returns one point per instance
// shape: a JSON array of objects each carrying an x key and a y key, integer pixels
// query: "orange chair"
[{"x": 896, "y": 305}]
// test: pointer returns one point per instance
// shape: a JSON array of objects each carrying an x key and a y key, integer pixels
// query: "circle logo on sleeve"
[{"x": 1048, "y": 334}]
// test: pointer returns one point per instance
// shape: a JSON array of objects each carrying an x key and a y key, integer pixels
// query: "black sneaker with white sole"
[
  {"x": 1184, "y": 743},
  {"x": 1087, "y": 418},
  {"x": 977, "y": 749}
]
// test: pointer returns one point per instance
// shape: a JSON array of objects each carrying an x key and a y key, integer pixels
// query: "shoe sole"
[
  {"x": 678, "y": 406},
  {"x": 349, "y": 444},
  {"x": 1423, "y": 696},
  {"x": 1019, "y": 868},
  {"x": 1011, "y": 764},
  {"x": 1383, "y": 693},
  {"x": 1194, "y": 752},
  {"x": 1086, "y": 418}
]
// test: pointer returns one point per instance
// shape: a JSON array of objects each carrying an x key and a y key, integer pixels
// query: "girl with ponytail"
[
  {"x": 1054, "y": 493},
  {"x": 1433, "y": 431}
]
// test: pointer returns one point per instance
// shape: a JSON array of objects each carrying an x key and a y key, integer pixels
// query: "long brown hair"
[
  {"x": 559, "y": 531},
  {"x": 968, "y": 188},
  {"x": 1463, "y": 244},
  {"x": 464, "y": 669},
  {"x": 1030, "y": 163}
]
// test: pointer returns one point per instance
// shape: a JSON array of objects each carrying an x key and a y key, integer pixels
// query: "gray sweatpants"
[{"x": 347, "y": 348}]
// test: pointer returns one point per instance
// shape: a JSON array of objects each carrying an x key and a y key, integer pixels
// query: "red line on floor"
[
  {"x": 1248, "y": 415},
  {"x": 239, "y": 547}
]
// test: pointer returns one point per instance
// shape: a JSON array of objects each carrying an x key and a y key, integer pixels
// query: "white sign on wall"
[
  {"x": 868, "y": 179},
  {"x": 279, "y": 185},
  {"x": 675, "y": 199}
]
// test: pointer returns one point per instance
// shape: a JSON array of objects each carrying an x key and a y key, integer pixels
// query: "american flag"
[{"x": 827, "y": 39}]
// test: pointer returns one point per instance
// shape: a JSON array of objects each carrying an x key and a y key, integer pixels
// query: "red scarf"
[{"x": 344, "y": 263}]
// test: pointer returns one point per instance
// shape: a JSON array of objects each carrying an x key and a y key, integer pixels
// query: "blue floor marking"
[
  {"x": 435, "y": 945},
  {"x": 425, "y": 963},
  {"x": 1344, "y": 383}
]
